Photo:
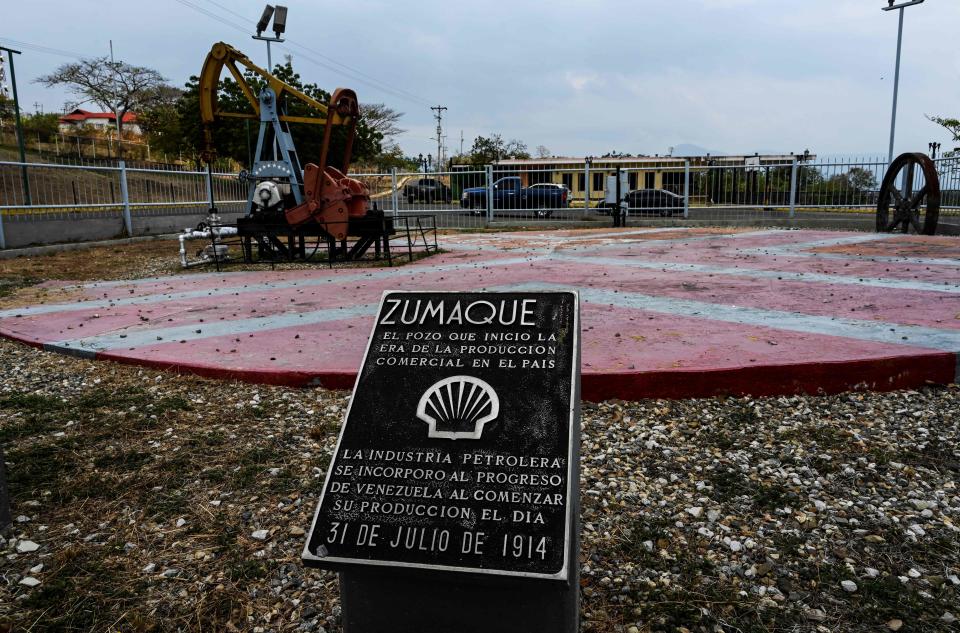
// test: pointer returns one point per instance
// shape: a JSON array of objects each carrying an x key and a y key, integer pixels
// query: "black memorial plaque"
[{"x": 459, "y": 450}]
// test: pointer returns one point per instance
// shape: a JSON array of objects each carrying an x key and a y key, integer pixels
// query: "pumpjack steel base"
[{"x": 278, "y": 241}]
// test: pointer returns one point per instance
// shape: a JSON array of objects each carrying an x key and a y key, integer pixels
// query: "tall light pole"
[
  {"x": 16, "y": 113},
  {"x": 279, "y": 15},
  {"x": 896, "y": 75}
]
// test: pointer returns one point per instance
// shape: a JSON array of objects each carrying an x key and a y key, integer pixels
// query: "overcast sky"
[{"x": 579, "y": 77}]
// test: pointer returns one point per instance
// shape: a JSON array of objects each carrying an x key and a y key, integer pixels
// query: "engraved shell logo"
[{"x": 464, "y": 403}]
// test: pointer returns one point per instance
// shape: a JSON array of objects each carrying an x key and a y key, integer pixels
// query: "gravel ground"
[{"x": 146, "y": 501}]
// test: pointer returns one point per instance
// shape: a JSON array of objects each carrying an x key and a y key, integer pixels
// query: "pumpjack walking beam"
[{"x": 343, "y": 109}]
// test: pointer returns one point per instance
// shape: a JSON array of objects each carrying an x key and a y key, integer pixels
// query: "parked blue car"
[{"x": 508, "y": 193}]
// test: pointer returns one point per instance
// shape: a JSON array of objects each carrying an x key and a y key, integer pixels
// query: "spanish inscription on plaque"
[{"x": 457, "y": 452}]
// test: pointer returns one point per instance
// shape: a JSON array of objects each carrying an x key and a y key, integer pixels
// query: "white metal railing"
[{"x": 476, "y": 196}]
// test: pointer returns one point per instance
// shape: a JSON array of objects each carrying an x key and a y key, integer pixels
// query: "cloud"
[{"x": 580, "y": 80}]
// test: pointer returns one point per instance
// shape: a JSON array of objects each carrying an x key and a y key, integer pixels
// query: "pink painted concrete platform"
[{"x": 666, "y": 312}]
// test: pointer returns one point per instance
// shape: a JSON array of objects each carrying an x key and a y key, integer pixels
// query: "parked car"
[
  {"x": 648, "y": 200},
  {"x": 566, "y": 195},
  {"x": 508, "y": 193},
  {"x": 426, "y": 190}
]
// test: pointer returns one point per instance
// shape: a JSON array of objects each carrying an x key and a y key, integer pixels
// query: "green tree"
[
  {"x": 856, "y": 179},
  {"x": 809, "y": 178},
  {"x": 951, "y": 125},
  {"x": 44, "y": 126},
  {"x": 392, "y": 157},
  {"x": 861, "y": 179},
  {"x": 160, "y": 122},
  {"x": 487, "y": 150}
]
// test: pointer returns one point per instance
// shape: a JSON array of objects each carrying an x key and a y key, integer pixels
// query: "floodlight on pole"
[
  {"x": 280, "y": 20},
  {"x": 265, "y": 19},
  {"x": 279, "y": 15},
  {"x": 891, "y": 5}
]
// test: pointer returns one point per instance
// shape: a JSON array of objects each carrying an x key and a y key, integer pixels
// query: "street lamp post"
[
  {"x": 279, "y": 15},
  {"x": 16, "y": 114},
  {"x": 896, "y": 75}
]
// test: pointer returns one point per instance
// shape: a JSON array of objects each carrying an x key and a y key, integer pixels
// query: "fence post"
[
  {"x": 686, "y": 188},
  {"x": 489, "y": 194},
  {"x": 125, "y": 198},
  {"x": 394, "y": 192},
  {"x": 3, "y": 238},
  {"x": 793, "y": 187},
  {"x": 586, "y": 185},
  {"x": 207, "y": 184}
]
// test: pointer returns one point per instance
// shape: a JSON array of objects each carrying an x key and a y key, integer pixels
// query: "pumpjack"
[{"x": 287, "y": 203}]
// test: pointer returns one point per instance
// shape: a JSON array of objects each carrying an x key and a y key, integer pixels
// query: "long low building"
[{"x": 643, "y": 172}]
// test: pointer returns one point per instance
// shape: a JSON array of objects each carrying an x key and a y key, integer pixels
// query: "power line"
[
  {"x": 345, "y": 67},
  {"x": 397, "y": 92},
  {"x": 344, "y": 70},
  {"x": 40, "y": 48}
]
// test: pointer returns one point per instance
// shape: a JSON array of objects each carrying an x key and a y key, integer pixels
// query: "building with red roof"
[{"x": 103, "y": 121}]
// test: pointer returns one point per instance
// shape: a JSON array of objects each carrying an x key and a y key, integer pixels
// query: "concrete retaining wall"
[{"x": 21, "y": 231}]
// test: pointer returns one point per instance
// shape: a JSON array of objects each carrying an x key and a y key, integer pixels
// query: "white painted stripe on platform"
[
  {"x": 873, "y": 331},
  {"x": 885, "y": 259},
  {"x": 160, "y": 297},
  {"x": 873, "y": 282},
  {"x": 804, "y": 249},
  {"x": 610, "y": 244},
  {"x": 151, "y": 280},
  {"x": 628, "y": 243},
  {"x": 88, "y": 346},
  {"x": 470, "y": 243},
  {"x": 841, "y": 241}
]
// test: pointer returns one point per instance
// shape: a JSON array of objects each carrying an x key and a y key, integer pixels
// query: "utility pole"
[
  {"x": 116, "y": 110},
  {"x": 461, "y": 142},
  {"x": 16, "y": 112},
  {"x": 896, "y": 75},
  {"x": 439, "y": 117},
  {"x": 37, "y": 107}
]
